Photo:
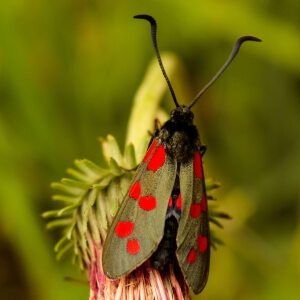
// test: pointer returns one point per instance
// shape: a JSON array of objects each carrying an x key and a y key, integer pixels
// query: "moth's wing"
[
  {"x": 139, "y": 224},
  {"x": 193, "y": 252}
]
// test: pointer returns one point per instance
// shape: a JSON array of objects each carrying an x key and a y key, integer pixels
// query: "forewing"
[
  {"x": 139, "y": 224},
  {"x": 193, "y": 252}
]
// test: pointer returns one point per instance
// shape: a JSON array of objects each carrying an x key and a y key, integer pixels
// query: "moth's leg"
[{"x": 202, "y": 150}]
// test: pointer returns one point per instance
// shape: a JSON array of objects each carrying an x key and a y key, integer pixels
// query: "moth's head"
[{"x": 182, "y": 114}]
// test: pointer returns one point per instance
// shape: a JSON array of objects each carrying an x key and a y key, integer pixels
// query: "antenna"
[
  {"x": 232, "y": 55},
  {"x": 153, "y": 24}
]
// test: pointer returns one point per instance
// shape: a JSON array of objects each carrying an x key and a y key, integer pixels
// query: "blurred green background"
[{"x": 68, "y": 74}]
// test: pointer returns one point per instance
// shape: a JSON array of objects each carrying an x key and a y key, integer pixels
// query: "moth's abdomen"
[{"x": 165, "y": 253}]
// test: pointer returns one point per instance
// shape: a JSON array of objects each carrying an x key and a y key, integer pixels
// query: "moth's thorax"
[{"x": 180, "y": 135}]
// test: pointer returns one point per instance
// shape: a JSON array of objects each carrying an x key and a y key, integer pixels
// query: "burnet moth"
[{"x": 164, "y": 215}]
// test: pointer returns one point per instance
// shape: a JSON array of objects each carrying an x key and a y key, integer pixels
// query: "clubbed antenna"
[
  {"x": 232, "y": 55},
  {"x": 153, "y": 24}
]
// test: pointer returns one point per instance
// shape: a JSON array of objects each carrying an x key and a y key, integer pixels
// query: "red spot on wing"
[
  {"x": 191, "y": 258},
  {"x": 124, "y": 229},
  {"x": 135, "y": 190},
  {"x": 198, "y": 166},
  {"x": 179, "y": 202},
  {"x": 170, "y": 204},
  {"x": 150, "y": 150},
  {"x": 195, "y": 210},
  {"x": 158, "y": 158},
  {"x": 202, "y": 243},
  {"x": 204, "y": 203},
  {"x": 147, "y": 202},
  {"x": 133, "y": 246}
]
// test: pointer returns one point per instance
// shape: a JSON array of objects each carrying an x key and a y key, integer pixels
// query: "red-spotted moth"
[{"x": 164, "y": 213}]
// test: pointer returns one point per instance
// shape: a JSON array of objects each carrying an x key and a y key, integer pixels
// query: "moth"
[{"x": 164, "y": 215}]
